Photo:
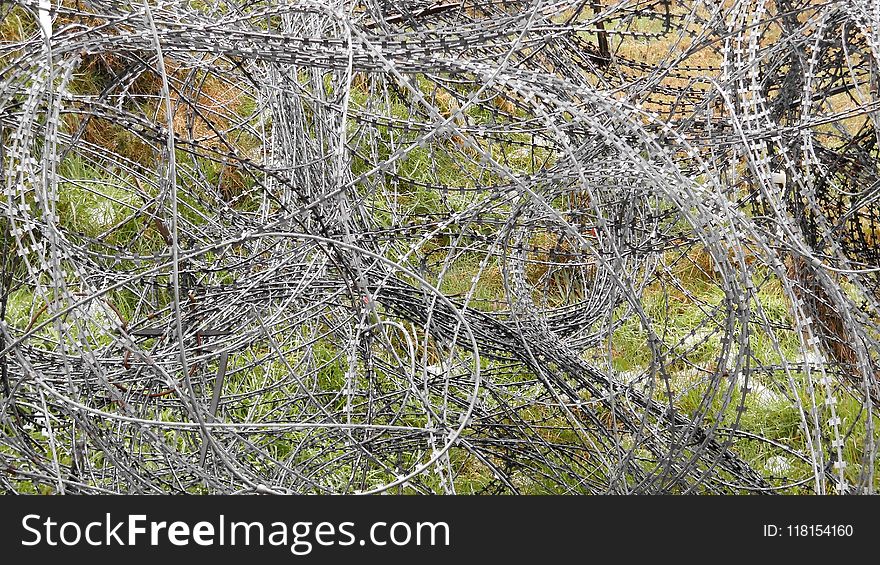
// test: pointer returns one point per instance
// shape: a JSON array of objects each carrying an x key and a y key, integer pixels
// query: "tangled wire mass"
[{"x": 604, "y": 246}]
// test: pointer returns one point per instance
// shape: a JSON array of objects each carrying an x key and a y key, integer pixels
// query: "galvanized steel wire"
[{"x": 363, "y": 247}]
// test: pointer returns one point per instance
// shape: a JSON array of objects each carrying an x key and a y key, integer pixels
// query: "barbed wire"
[{"x": 439, "y": 247}]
